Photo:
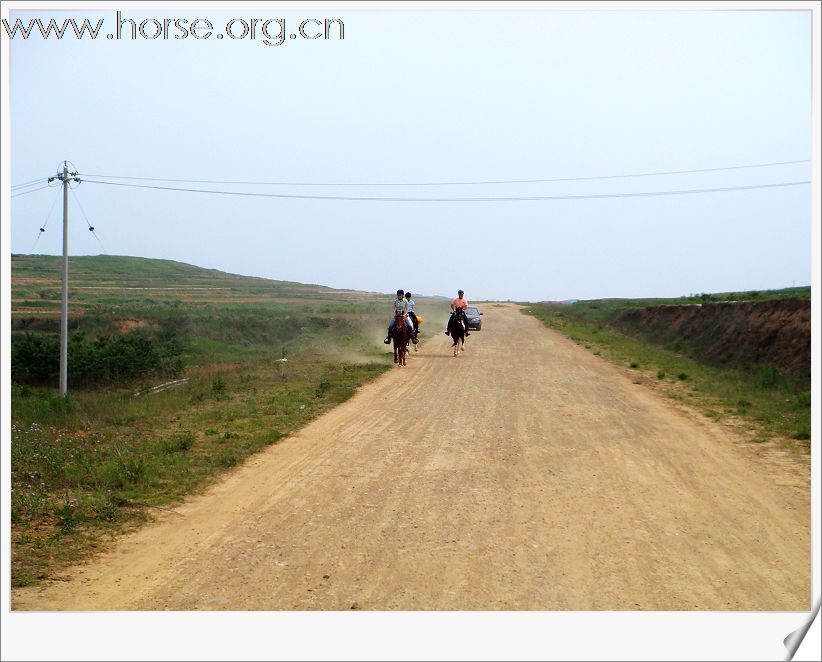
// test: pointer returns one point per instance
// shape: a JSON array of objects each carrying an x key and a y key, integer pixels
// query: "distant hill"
[
  {"x": 221, "y": 316},
  {"x": 111, "y": 279}
]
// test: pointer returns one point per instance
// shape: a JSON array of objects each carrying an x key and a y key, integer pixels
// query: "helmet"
[{"x": 460, "y": 292}]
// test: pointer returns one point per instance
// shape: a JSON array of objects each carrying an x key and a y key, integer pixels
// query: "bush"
[
  {"x": 179, "y": 442},
  {"x": 226, "y": 459},
  {"x": 769, "y": 377},
  {"x": 124, "y": 471},
  {"x": 802, "y": 432},
  {"x": 68, "y": 515},
  {"x": 803, "y": 399},
  {"x": 35, "y": 359}
]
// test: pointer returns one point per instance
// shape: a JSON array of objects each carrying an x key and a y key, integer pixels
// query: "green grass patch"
[{"x": 104, "y": 460}]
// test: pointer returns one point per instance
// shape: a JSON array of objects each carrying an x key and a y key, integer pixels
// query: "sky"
[{"x": 432, "y": 96}]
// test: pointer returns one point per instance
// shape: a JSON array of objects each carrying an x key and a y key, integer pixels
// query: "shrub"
[
  {"x": 123, "y": 471},
  {"x": 106, "y": 360},
  {"x": 802, "y": 432},
  {"x": 35, "y": 358},
  {"x": 226, "y": 459},
  {"x": 179, "y": 442},
  {"x": 803, "y": 399},
  {"x": 769, "y": 377},
  {"x": 69, "y": 515}
]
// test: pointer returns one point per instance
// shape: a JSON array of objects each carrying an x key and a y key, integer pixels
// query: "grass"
[
  {"x": 99, "y": 462},
  {"x": 762, "y": 401}
]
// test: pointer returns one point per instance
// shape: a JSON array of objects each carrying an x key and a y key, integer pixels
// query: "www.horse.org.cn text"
[{"x": 268, "y": 31}]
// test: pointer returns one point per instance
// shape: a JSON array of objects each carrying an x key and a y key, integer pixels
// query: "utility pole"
[{"x": 65, "y": 176}]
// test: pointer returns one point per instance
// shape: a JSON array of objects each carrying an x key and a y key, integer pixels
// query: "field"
[{"x": 258, "y": 359}]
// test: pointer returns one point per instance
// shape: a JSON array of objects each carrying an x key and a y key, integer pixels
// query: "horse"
[
  {"x": 400, "y": 338},
  {"x": 457, "y": 331}
]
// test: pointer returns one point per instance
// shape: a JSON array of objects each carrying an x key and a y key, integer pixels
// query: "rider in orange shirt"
[{"x": 459, "y": 302}]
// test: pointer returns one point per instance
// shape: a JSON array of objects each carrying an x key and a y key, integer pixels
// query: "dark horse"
[
  {"x": 456, "y": 330},
  {"x": 400, "y": 337}
]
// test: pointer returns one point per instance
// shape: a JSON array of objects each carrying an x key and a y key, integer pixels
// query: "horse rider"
[
  {"x": 413, "y": 316},
  {"x": 459, "y": 302},
  {"x": 400, "y": 307}
]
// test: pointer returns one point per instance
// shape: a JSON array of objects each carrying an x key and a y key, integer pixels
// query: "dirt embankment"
[{"x": 735, "y": 334}]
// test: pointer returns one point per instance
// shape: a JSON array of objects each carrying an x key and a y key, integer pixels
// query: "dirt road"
[{"x": 525, "y": 474}]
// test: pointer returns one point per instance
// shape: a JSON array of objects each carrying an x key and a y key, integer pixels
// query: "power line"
[
  {"x": 33, "y": 181},
  {"x": 487, "y": 199},
  {"x": 468, "y": 183},
  {"x": 17, "y": 195}
]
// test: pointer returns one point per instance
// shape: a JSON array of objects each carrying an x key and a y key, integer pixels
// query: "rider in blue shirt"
[{"x": 413, "y": 315}]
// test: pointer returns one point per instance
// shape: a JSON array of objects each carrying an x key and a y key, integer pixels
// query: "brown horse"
[{"x": 400, "y": 338}]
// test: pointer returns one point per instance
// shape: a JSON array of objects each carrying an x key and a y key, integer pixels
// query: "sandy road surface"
[{"x": 526, "y": 474}]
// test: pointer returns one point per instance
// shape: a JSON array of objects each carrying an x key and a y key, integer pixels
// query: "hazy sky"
[{"x": 425, "y": 97}]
